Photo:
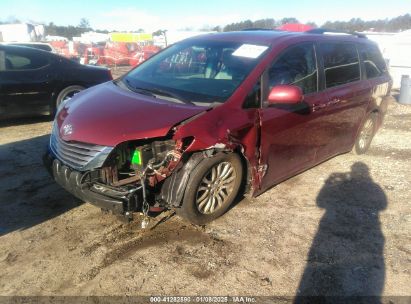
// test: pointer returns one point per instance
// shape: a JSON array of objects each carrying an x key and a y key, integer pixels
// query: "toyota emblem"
[{"x": 67, "y": 129}]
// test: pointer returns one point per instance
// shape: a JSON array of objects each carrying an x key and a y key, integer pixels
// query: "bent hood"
[{"x": 108, "y": 115}]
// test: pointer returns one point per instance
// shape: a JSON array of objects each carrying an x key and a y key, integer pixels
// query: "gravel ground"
[{"x": 343, "y": 227}]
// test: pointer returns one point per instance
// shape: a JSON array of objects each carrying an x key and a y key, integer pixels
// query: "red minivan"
[{"x": 212, "y": 117}]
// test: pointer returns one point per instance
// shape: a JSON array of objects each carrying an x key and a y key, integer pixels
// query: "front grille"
[{"x": 77, "y": 155}]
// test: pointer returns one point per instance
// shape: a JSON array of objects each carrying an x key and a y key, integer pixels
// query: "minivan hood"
[{"x": 108, "y": 115}]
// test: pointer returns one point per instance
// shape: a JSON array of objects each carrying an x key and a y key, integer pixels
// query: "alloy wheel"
[{"x": 215, "y": 187}]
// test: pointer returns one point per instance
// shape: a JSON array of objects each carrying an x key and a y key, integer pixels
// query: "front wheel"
[
  {"x": 366, "y": 134},
  {"x": 212, "y": 188}
]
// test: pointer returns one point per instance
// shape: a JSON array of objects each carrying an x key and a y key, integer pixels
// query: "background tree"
[
  {"x": 289, "y": 20},
  {"x": 161, "y": 33},
  {"x": 217, "y": 29},
  {"x": 268, "y": 23},
  {"x": 313, "y": 24},
  {"x": 84, "y": 23}
]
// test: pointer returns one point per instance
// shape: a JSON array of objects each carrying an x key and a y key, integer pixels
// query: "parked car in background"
[
  {"x": 213, "y": 116},
  {"x": 33, "y": 80}
]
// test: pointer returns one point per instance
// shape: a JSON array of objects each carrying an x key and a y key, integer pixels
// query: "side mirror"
[{"x": 285, "y": 94}]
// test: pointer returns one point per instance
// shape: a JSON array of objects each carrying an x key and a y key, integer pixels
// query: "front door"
[{"x": 291, "y": 134}]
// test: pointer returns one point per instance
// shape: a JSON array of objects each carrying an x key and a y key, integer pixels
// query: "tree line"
[
  {"x": 268, "y": 23},
  {"x": 396, "y": 24},
  {"x": 67, "y": 31},
  {"x": 70, "y": 31}
]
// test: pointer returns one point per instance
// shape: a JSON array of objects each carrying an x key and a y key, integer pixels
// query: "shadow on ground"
[
  {"x": 22, "y": 119},
  {"x": 28, "y": 195},
  {"x": 346, "y": 256}
]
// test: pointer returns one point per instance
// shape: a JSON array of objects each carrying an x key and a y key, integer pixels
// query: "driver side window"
[{"x": 296, "y": 66}]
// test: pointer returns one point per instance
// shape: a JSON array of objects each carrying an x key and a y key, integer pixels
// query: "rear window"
[
  {"x": 373, "y": 62},
  {"x": 17, "y": 61},
  {"x": 341, "y": 64}
]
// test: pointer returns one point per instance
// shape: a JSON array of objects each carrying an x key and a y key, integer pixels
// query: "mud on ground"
[{"x": 343, "y": 227}]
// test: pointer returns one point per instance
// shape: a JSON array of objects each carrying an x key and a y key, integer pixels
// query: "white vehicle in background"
[
  {"x": 396, "y": 50},
  {"x": 21, "y": 32},
  {"x": 398, "y": 53},
  {"x": 24, "y": 34}
]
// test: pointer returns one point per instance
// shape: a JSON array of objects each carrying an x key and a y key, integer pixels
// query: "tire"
[
  {"x": 65, "y": 93},
  {"x": 201, "y": 206},
  {"x": 365, "y": 135}
]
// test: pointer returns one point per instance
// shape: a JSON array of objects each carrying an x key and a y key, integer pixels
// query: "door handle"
[
  {"x": 317, "y": 106},
  {"x": 334, "y": 101}
]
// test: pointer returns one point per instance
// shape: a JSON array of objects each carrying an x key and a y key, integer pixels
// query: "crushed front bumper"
[{"x": 71, "y": 180}]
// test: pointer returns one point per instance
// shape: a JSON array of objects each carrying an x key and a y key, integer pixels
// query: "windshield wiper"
[
  {"x": 168, "y": 94},
  {"x": 138, "y": 90},
  {"x": 153, "y": 92}
]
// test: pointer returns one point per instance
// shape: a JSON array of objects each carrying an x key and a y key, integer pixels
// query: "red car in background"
[
  {"x": 107, "y": 53},
  {"x": 120, "y": 53},
  {"x": 295, "y": 27},
  {"x": 214, "y": 116},
  {"x": 145, "y": 53}
]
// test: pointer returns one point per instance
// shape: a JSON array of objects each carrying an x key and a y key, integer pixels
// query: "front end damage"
[
  {"x": 137, "y": 176},
  {"x": 129, "y": 180},
  {"x": 146, "y": 175}
]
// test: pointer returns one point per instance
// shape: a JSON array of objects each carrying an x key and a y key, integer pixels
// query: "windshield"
[{"x": 197, "y": 72}]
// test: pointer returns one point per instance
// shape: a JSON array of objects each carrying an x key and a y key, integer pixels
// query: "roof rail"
[
  {"x": 324, "y": 31},
  {"x": 257, "y": 29}
]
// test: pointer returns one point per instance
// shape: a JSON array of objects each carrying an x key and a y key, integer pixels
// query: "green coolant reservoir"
[
  {"x": 136, "y": 158},
  {"x": 141, "y": 156}
]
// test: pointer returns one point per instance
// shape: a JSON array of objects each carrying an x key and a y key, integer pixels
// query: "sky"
[{"x": 128, "y": 15}]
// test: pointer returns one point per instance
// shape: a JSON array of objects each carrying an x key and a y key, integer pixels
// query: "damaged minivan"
[{"x": 216, "y": 116}]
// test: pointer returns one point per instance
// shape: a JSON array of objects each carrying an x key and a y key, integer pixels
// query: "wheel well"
[
  {"x": 174, "y": 186},
  {"x": 247, "y": 176}
]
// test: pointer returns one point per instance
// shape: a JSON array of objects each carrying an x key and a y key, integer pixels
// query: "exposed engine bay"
[
  {"x": 129, "y": 163},
  {"x": 134, "y": 172}
]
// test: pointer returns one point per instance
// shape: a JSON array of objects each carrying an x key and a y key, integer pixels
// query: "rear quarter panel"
[{"x": 67, "y": 73}]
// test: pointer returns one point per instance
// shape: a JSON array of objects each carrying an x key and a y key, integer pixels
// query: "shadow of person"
[{"x": 346, "y": 256}]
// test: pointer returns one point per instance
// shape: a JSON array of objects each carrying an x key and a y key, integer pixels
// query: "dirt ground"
[{"x": 343, "y": 227}]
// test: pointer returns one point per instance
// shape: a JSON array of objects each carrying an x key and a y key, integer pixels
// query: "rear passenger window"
[
  {"x": 296, "y": 66},
  {"x": 341, "y": 63},
  {"x": 373, "y": 62},
  {"x": 16, "y": 61}
]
